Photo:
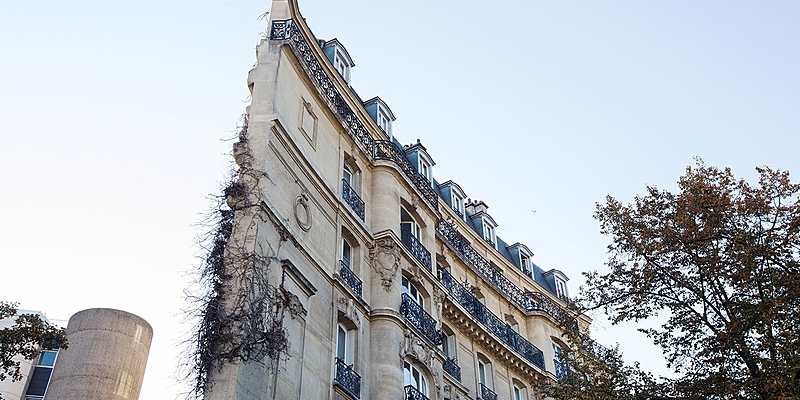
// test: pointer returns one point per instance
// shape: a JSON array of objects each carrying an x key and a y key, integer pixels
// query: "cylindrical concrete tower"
[{"x": 106, "y": 357}]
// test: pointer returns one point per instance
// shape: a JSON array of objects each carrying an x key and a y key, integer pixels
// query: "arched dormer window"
[
  {"x": 523, "y": 255},
  {"x": 454, "y": 196},
  {"x": 418, "y": 155},
  {"x": 381, "y": 114},
  {"x": 558, "y": 283},
  {"x": 484, "y": 221},
  {"x": 339, "y": 57}
]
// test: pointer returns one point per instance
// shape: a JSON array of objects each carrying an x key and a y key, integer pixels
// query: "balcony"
[
  {"x": 413, "y": 394},
  {"x": 486, "y": 393},
  {"x": 350, "y": 277},
  {"x": 420, "y": 320},
  {"x": 452, "y": 368},
  {"x": 350, "y": 197},
  {"x": 415, "y": 247},
  {"x": 529, "y": 301},
  {"x": 347, "y": 379},
  {"x": 492, "y": 322}
]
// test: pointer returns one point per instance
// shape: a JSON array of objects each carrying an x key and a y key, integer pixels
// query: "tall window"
[
  {"x": 449, "y": 342},
  {"x": 345, "y": 344},
  {"x": 482, "y": 373},
  {"x": 519, "y": 392},
  {"x": 414, "y": 377},
  {"x": 347, "y": 175},
  {"x": 411, "y": 291},
  {"x": 347, "y": 253},
  {"x": 407, "y": 222},
  {"x": 40, "y": 378},
  {"x": 458, "y": 204}
]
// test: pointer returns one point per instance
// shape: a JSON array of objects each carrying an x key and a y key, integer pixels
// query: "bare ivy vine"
[{"x": 236, "y": 310}]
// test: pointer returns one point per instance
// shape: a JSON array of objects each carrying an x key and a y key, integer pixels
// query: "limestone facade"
[{"x": 399, "y": 288}]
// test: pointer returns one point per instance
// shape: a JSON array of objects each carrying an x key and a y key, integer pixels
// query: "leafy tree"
[
  {"x": 26, "y": 337},
  {"x": 589, "y": 371},
  {"x": 721, "y": 260}
]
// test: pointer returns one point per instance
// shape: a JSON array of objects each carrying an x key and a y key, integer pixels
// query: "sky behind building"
[{"x": 113, "y": 115}]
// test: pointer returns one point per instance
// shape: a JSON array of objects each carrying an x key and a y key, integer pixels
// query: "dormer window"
[
  {"x": 558, "y": 283},
  {"x": 381, "y": 114},
  {"x": 450, "y": 190},
  {"x": 418, "y": 155},
  {"x": 561, "y": 289},
  {"x": 524, "y": 255},
  {"x": 339, "y": 57}
]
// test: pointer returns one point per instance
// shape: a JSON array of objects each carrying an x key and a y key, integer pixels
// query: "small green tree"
[
  {"x": 26, "y": 337},
  {"x": 721, "y": 260}
]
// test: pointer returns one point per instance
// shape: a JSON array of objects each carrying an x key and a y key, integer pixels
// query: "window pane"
[
  {"x": 48, "y": 358},
  {"x": 341, "y": 343},
  {"x": 39, "y": 380}
]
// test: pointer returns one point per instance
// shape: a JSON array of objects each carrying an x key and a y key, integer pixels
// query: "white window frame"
[
  {"x": 345, "y": 344},
  {"x": 416, "y": 230},
  {"x": 525, "y": 263},
  {"x": 341, "y": 65},
  {"x": 425, "y": 169},
  {"x": 413, "y": 376},
  {"x": 412, "y": 291},
  {"x": 458, "y": 203},
  {"x": 347, "y": 248}
]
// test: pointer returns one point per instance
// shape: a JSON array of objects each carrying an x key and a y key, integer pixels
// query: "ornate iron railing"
[
  {"x": 420, "y": 320},
  {"x": 350, "y": 277},
  {"x": 351, "y": 198},
  {"x": 492, "y": 322},
  {"x": 527, "y": 300},
  {"x": 381, "y": 149},
  {"x": 347, "y": 379},
  {"x": 415, "y": 247},
  {"x": 413, "y": 394},
  {"x": 561, "y": 369},
  {"x": 452, "y": 368},
  {"x": 487, "y": 394}
]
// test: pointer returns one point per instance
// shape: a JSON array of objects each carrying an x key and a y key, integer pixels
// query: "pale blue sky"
[{"x": 111, "y": 115}]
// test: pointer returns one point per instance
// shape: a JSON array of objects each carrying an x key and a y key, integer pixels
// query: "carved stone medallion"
[
  {"x": 384, "y": 255},
  {"x": 302, "y": 213}
]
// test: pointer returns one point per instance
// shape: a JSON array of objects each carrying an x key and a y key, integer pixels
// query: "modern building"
[
  {"x": 105, "y": 358},
  {"x": 35, "y": 373},
  {"x": 394, "y": 284}
]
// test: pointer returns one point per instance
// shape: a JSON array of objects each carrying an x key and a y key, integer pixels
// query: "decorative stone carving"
[
  {"x": 437, "y": 382},
  {"x": 416, "y": 274},
  {"x": 302, "y": 213},
  {"x": 450, "y": 393},
  {"x": 348, "y": 307},
  {"x": 414, "y": 347},
  {"x": 294, "y": 306},
  {"x": 384, "y": 256},
  {"x": 438, "y": 298}
]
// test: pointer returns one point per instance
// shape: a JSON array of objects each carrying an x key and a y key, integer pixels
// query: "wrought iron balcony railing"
[
  {"x": 561, "y": 369},
  {"x": 492, "y": 322},
  {"x": 420, "y": 320},
  {"x": 350, "y": 277},
  {"x": 347, "y": 379},
  {"x": 417, "y": 249},
  {"x": 487, "y": 394},
  {"x": 452, "y": 368},
  {"x": 413, "y": 394},
  {"x": 378, "y": 149},
  {"x": 350, "y": 197},
  {"x": 526, "y": 300}
]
